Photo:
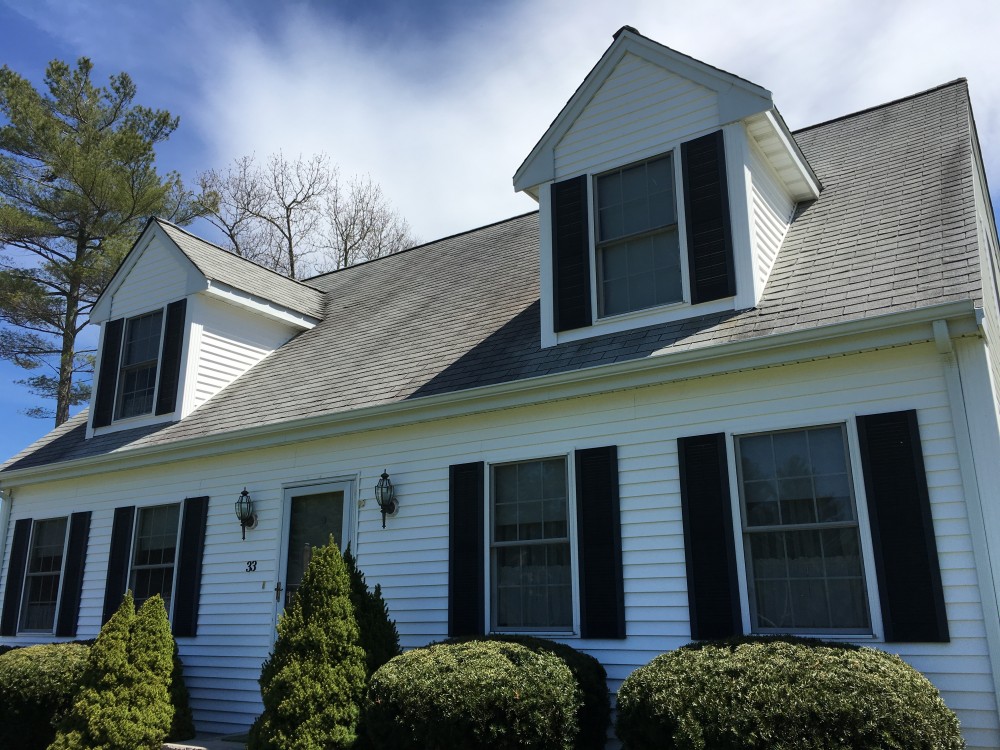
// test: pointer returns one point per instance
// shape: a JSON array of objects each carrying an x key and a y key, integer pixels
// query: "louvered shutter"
[
  {"x": 709, "y": 546},
  {"x": 71, "y": 585},
  {"x": 15, "y": 577},
  {"x": 899, "y": 511},
  {"x": 107, "y": 378},
  {"x": 187, "y": 589},
  {"x": 706, "y": 209},
  {"x": 170, "y": 360},
  {"x": 571, "y": 254},
  {"x": 466, "y": 579},
  {"x": 118, "y": 560},
  {"x": 599, "y": 543}
]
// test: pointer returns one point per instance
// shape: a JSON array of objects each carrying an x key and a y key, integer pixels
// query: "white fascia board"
[
  {"x": 259, "y": 305},
  {"x": 822, "y": 342},
  {"x": 195, "y": 281},
  {"x": 796, "y": 157},
  {"x": 738, "y": 98}
]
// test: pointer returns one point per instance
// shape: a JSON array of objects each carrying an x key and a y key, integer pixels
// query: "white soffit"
[
  {"x": 738, "y": 98},
  {"x": 776, "y": 142}
]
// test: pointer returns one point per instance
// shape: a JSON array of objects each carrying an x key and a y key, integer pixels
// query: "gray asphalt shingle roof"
[
  {"x": 894, "y": 229},
  {"x": 240, "y": 273}
]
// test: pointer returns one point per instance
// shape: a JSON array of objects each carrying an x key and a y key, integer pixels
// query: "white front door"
[{"x": 311, "y": 514}]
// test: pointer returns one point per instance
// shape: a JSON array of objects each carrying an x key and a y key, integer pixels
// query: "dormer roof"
[
  {"x": 738, "y": 99},
  {"x": 213, "y": 269}
]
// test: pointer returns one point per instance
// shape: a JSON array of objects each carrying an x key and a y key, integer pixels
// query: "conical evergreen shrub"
[
  {"x": 124, "y": 701},
  {"x": 312, "y": 683},
  {"x": 379, "y": 637},
  {"x": 182, "y": 725}
]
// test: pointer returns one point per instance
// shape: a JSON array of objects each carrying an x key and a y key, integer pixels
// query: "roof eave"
[{"x": 881, "y": 331}]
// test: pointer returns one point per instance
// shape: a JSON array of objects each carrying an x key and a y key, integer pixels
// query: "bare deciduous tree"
[{"x": 297, "y": 215}]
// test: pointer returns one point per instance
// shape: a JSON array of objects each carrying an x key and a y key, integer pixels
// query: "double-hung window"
[
  {"x": 801, "y": 536},
  {"x": 139, "y": 364},
  {"x": 638, "y": 250},
  {"x": 154, "y": 553},
  {"x": 43, "y": 574},
  {"x": 530, "y": 547}
]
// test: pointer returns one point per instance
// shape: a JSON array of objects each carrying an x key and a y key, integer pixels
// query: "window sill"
[{"x": 640, "y": 319}]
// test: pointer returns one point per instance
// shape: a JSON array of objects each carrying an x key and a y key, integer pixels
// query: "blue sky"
[{"x": 440, "y": 100}]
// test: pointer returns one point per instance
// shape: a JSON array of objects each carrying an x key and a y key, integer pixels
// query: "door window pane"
[
  {"x": 532, "y": 587},
  {"x": 41, "y": 581},
  {"x": 801, "y": 532},
  {"x": 154, "y": 553},
  {"x": 313, "y": 518}
]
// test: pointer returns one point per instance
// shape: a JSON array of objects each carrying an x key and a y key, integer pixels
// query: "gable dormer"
[
  {"x": 180, "y": 320},
  {"x": 665, "y": 188}
]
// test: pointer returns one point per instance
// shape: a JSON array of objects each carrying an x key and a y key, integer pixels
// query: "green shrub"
[
  {"x": 37, "y": 687},
  {"x": 124, "y": 701},
  {"x": 478, "y": 695},
  {"x": 594, "y": 714},
  {"x": 314, "y": 679},
  {"x": 379, "y": 637},
  {"x": 182, "y": 725},
  {"x": 781, "y": 695}
]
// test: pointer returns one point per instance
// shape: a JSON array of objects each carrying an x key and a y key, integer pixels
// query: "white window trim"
[
  {"x": 24, "y": 582},
  {"x": 684, "y": 303},
  {"x": 861, "y": 509},
  {"x": 524, "y": 456},
  {"x": 177, "y": 551},
  {"x": 116, "y": 420}
]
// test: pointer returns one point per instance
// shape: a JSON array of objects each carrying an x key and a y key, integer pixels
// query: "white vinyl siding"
[
  {"x": 410, "y": 557},
  {"x": 771, "y": 210},
  {"x": 230, "y": 342},
  {"x": 636, "y": 112},
  {"x": 156, "y": 279}
]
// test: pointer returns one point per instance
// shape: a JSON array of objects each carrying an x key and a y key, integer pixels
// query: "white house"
[{"x": 728, "y": 379}]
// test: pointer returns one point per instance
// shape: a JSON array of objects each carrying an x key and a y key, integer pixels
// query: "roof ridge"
[
  {"x": 421, "y": 245},
  {"x": 884, "y": 105},
  {"x": 221, "y": 249}
]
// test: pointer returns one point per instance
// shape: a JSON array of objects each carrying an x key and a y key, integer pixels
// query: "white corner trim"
[
  {"x": 259, "y": 305},
  {"x": 942, "y": 338},
  {"x": 6, "y": 501},
  {"x": 738, "y": 182},
  {"x": 966, "y": 372}
]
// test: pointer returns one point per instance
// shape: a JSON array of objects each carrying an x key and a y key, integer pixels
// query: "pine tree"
[
  {"x": 124, "y": 701},
  {"x": 379, "y": 637},
  {"x": 77, "y": 182},
  {"x": 312, "y": 683}
]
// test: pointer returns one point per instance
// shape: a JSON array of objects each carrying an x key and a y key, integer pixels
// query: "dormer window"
[
  {"x": 638, "y": 251},
  {"x": 140, "y": 356}
]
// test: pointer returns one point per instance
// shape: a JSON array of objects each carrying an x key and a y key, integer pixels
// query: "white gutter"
[{"x": 883, "y": 331}]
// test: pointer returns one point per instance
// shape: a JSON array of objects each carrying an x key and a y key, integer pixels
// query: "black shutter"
[
  {"x": 899, "y": 511},
  {"x": 709, "y": 547},
  {"x": 118, "y": 560},
  {"x": 598, "y": 518},
  {"x": 466, "y": 608},
  {"x": 15, "y": 577},
  {"x": 107, "y": 378},
  {"x": 706, "y": 208},
  {"x": 188, "y": 587},
  {"x": 170, "y": 361},
  {"x": 571, "y": 254},
  {"x": 72, "y": 581}
]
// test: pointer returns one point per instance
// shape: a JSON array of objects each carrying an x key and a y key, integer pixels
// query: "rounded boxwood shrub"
[
  {"x": 37, "y": 687},
  {"x": 594, "y": 713},
  {"x": 782, "y": 694},
  {"x": 477, "y": 695}
]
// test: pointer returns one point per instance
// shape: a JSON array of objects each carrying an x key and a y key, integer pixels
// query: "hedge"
[
  {"x": 476, "y": 695},
  {"x": 781, "y": 695},
  {"x": 594, "y": 713},
  {"x": 37, "y": 687}
]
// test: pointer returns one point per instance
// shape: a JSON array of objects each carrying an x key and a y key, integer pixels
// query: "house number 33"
[{"x": 251, "y": 566}]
